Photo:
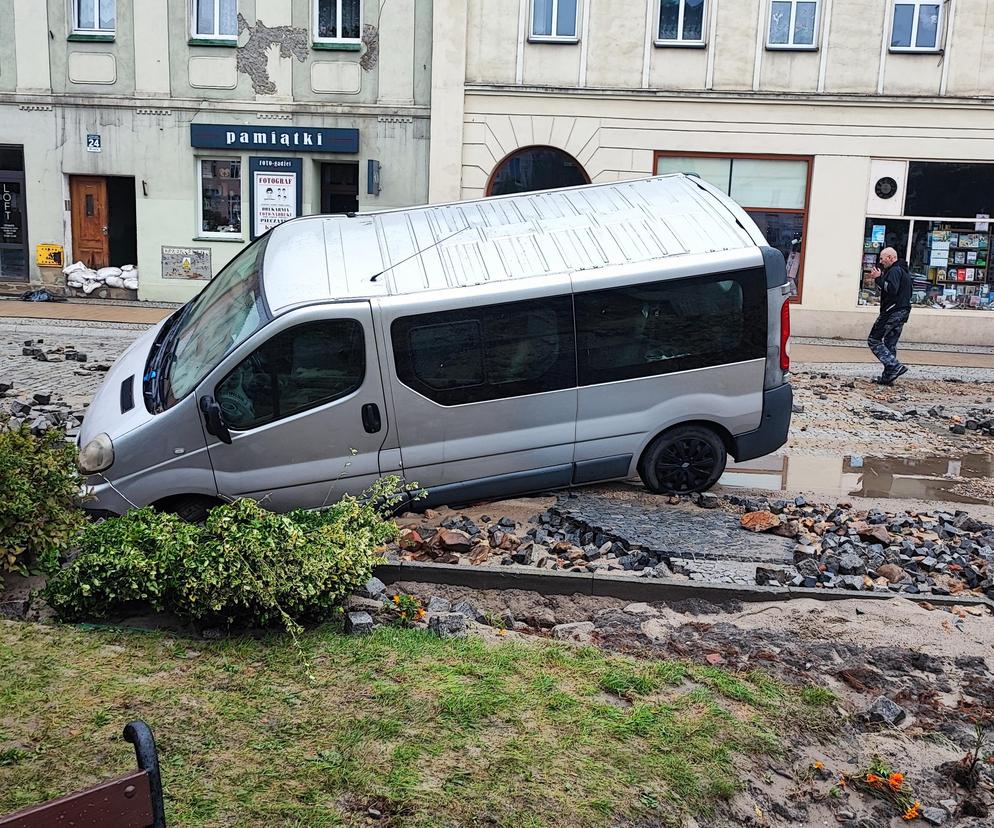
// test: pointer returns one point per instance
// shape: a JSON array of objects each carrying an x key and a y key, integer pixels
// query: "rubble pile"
[
  {"x": 42, "y": 413},
  {"x": 938, "y": 553}
]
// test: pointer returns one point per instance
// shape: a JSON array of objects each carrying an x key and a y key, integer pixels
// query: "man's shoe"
[{"x": 888, "y": 379}]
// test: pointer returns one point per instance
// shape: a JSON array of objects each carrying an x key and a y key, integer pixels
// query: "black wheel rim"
[{"x": 686, "y": 465}]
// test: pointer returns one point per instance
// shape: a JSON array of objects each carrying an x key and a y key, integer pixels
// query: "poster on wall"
[
  {"x": 186, "y": 263},
  {"x": 276, "y": 192},
  {"x": 11, "y": 218}
]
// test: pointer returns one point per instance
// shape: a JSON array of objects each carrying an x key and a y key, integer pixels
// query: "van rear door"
[{"x": 302, "y": 404}]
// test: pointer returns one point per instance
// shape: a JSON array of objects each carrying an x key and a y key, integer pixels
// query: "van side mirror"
[{"x": 215, "y": 422}]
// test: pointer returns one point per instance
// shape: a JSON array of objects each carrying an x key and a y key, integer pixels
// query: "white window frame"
[
  {"x": 236, "y": 236},
  {"x": 74, "y": 17},
  {"x": 553, "y": 38},
  {"x": 679, "y": 41},
  {"x": 790, "y": 45},
  {"x": 939, "y": 29},
  {"x": 215, "y": 35},
  {"x": 338, "y": 11}
]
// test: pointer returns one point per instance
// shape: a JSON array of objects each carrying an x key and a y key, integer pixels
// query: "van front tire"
[
  {"x": 683, "y": 460},
  {"x": 191, "y": 508}
]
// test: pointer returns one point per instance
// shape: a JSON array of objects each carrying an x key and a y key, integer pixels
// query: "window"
[
  {"x": 554, "y": 20},
  {"x": 950, "y": 189},
  {"x": 793, "y": 24},
  {"x": 220, "y": 197},
  {"x": 13, "y": 235},
  {"x": 226, "y": 313},
  {"x": 216, "y": 19},
  {"x": 487, "y": 353},
  {"x": 300, "y": 368},
  {"x": 536, "y": 168},
  {"x": 94, "y": 16},
  {"x": 773, "y": 191},
  {"x": 681, "y": 23},
  {"x": 337, "y": 21},
  {"x": 916, "y": 26},
  {"x": 664, "y": 327}
]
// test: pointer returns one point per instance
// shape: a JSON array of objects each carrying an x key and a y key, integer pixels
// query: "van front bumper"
[
  {"x": 772, "y": 432},
  {"x": 99, "y": 499}
]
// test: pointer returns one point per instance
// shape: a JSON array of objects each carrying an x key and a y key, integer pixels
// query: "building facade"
[
  {"x": 842, "y": 126},
  {"x": 167, "y": 134}
]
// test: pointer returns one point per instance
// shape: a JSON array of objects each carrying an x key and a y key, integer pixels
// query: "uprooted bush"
[
  {"x": 245, "y": 566},
  {"x": 39, "y": 491}
]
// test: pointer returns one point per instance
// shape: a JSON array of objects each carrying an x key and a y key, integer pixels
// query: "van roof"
[{"x": 328, "y": 258}]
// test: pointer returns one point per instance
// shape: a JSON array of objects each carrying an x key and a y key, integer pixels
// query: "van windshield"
[{"x": 228, "y": 311}]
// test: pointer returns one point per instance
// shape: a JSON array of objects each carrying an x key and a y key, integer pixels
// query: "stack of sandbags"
[{"x": 79, "y": 276}]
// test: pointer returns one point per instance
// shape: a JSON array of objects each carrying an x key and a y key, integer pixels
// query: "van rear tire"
[{"x": 683, "y": 460}]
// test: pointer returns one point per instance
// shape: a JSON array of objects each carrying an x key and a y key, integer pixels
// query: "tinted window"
[
  {"x": 949, "y": 189},
  {"x": 678, "y": 325},
  {"x": 487, "y": 353},
  {"x": 297, "y": 369}
]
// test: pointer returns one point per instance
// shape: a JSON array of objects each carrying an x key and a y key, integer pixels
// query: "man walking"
[{"x": 894, "y": 284}]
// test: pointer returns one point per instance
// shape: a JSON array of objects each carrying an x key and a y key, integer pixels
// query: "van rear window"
[
  {"x": 487, "y": 353},
  {"x": 675, "y": 325}
]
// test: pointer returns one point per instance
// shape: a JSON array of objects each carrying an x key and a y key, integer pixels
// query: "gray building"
[{"x": 167, "y": 134}]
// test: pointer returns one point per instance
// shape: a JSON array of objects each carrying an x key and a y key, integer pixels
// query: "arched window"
[{"x": 536, "y": 168}]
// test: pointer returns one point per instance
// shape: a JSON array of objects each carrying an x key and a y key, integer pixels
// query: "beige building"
[
  {"x": 166, "y": 134},
  {"x": 842, "y": 125}
]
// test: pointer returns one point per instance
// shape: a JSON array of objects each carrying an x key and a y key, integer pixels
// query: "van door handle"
[
  {"x": 214, "y": 420},
  {"x": 371, "y": 418}
]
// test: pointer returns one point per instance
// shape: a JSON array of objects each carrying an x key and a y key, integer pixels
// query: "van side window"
[
  {"x": 664, "y": 327},
  {"x": 487, "y": 353},
  {"x": 298, "y": 369}
]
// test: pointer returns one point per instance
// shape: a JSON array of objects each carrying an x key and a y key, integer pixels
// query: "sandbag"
[
  {"x": 104, "y": 272},
  {"x": 131, "y": 284},
  {"x": 74, "y": 281},
  {"x": 114, "y": 281},
  {"x": 90, "y": 285},
  {"x": 75, "y": 267},
  {"x": 128, "y": 268}
]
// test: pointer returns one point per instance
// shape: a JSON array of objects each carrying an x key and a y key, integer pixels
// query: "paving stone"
[
  {"x": 447, "y": 624},
  {"x": 358, "y": 623}
]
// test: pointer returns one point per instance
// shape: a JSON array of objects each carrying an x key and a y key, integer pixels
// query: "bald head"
[{"x": 888, "y": 256}]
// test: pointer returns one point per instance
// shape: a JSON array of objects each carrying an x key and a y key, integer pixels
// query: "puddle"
[{"x": 930, "y": 478}]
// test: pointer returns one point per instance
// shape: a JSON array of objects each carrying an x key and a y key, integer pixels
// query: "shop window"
[
  {"x": 215, "y": 19},
  {"x": 94, "y": 16},
  {"x": 536, "y": 168},
  {"x": 298, "y": 369},
  {"x": 949, "y": 189},
  {"x": 487, "y": 353},
  {"x": 681, "y": 23},
  {"x": 337, "y": 21},
  {"x": 554, "y": 20},
  {"x": 793, "y": 24},
  {"x": 916, "y": 27},
  {"x": 664, "y": 327},
  {"x": 773, "y": 191},
  {"x": 220, "y": 197},
  {"x": 948, "y": 260},
  {"x": 13, "y": 215}
]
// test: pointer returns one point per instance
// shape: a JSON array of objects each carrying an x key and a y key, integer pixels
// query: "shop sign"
[
  {"x": 186, "y": 263},
  {"x": 93, "y": 142},
  {"x": 279, "y": 139},
  {"x": 275, "y": 193},
  {"x": 11, "y": 218},
  {"x": 49, "y": 255}
]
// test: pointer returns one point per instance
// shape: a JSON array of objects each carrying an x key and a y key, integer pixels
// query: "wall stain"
[{"x": 251, "y": 58}]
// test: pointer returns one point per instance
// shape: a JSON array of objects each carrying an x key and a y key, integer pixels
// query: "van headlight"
[{"x": 96, "y": 455}]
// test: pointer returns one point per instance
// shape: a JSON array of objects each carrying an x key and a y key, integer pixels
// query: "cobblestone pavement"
[{"x": 71, "y": 381}]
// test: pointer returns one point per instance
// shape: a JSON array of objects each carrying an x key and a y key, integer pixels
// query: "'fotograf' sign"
[{"x": 285, "y": 139}]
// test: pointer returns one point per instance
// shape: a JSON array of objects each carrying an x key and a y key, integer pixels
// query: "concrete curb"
[{"x": 628, "y": 588}]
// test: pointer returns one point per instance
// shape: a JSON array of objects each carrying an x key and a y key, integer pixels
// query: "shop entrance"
[
  {"x": 340, "y": 188},
  {"x": 13, "y": 216},
  {"x": 104, "y": 228}
]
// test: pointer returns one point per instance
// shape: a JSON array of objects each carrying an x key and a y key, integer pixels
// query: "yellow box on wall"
[{"x": 49, "y": 255}]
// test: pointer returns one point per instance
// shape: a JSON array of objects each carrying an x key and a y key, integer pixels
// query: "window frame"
[
  {"x": 277, "y": 416},
  {"x": 553, "y": 37},
  {"x": 215, "y": 37},
  {"x": 791, "y": 46},
  {"x": 939, "y": 28},
  {"x": 759, "y": 156},
  {"x": 94, "y": 33},
  {"x": 331, "y": 42},
  {"x": 679, "y": 42},
  {"x": 238, "y": 236}
]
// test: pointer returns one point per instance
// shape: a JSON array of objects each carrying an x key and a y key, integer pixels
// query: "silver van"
[{"x": 482, "y": 349}]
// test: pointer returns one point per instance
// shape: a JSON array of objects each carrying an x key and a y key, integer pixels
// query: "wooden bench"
[{"x": 130, "y": 801}]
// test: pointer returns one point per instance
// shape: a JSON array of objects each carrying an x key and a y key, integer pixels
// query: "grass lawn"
[{"x": 430, "y": 732}]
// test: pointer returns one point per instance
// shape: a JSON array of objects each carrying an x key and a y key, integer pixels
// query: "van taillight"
[{"x": 785, "y": 336}]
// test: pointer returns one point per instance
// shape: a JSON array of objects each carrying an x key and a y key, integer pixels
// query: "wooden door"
[{"x": 88, "y": 206}]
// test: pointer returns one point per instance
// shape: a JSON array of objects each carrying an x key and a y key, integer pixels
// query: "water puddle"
[{"x": 964, "y": 479}]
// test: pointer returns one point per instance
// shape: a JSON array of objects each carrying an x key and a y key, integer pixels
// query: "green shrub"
[
  {"x": 40, "y": 489},
  {"x": 245, "y": 566}
]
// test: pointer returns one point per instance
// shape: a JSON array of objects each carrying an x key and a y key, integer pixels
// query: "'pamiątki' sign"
[{"x": 279, "y": 139}]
